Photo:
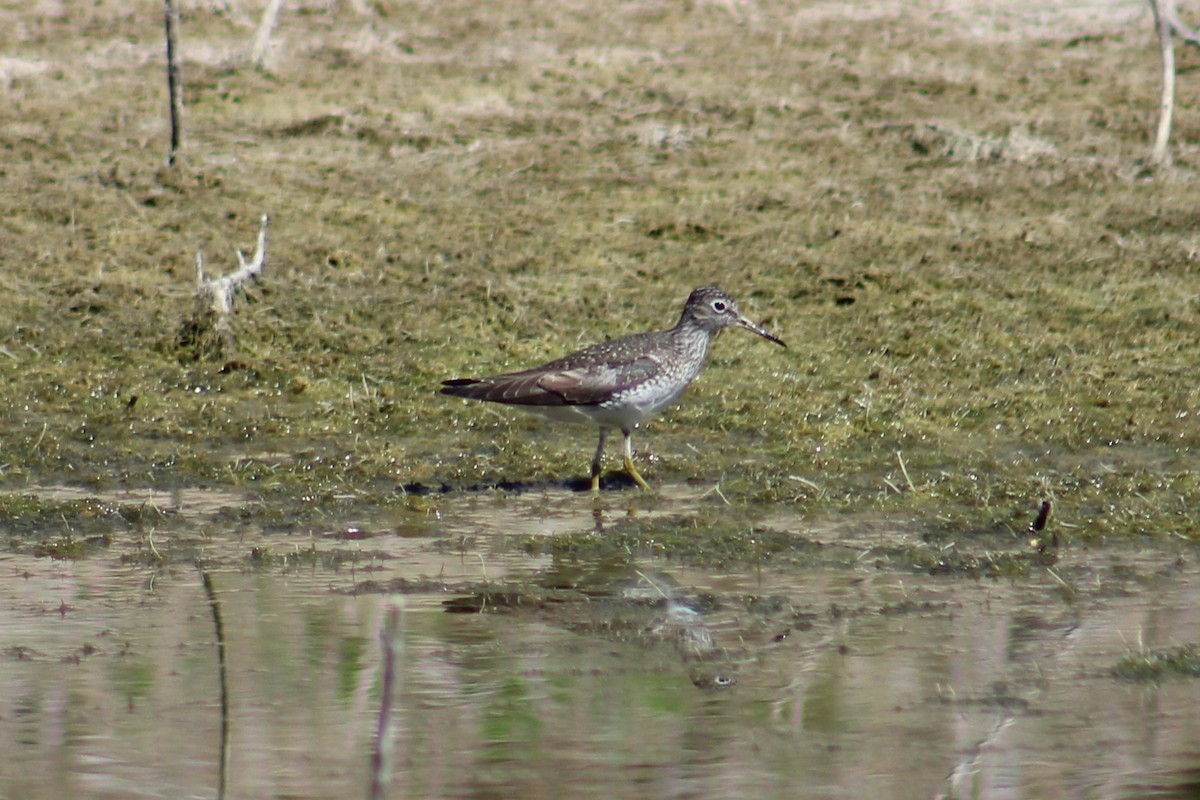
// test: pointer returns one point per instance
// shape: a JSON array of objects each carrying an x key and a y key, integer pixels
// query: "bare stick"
[
  {"x": 174, "y": 78},
  {"x": 1166, "y": 106},
  {"x": 262, "y": 39}
]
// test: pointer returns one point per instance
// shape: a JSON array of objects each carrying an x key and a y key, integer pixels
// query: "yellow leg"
[
  {"x": 596, "y": 462},
  {"x": 629, "y": 467}
]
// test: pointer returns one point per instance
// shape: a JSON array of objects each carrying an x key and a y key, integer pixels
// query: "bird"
[{"x": 622, "y": 382}]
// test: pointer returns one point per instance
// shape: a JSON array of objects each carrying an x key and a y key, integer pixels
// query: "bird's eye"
[{"x": 719, "y": 306}]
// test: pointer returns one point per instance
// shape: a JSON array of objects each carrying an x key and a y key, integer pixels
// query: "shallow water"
[{"x": 850, "y": 682}]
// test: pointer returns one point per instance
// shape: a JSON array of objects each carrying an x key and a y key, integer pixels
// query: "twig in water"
[
  {"x": 150, "y": 541},
  {"x": 1058, "y": 579},
  {"x": 653, "y": 584},
  {"x": 810, "y": 484},
  {"x": 716, "y": 489}
]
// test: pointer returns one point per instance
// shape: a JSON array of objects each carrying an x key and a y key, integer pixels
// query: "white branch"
[
  {"x": 262, "y": 39},
  {"x": 1166, "y": 106},
  {"x": 219, "y": 292},
  {"x": 1172, "y": 17}
]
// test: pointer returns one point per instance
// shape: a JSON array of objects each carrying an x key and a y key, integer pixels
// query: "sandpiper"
[{"x": 619, "y": 383}]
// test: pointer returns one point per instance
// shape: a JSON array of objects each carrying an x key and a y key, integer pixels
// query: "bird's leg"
[
  {"x": 629, "y": 467},
  {"x": 596, "y": 460}
]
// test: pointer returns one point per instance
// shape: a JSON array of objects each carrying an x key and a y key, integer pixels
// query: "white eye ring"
[{"x": 719, "y": 306}]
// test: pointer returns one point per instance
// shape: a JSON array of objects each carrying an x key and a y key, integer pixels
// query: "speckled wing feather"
[
  {"x": 589, "y": 377},
  {"x": 566, "y": 387},
  {"x": 585, "y": 386}
]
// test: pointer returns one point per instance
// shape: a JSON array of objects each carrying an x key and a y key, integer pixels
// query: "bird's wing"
[
  {"x": 593, "y": 384},
  {"x": 587, "y": 377},
  {"x": 556, "y": 384}
]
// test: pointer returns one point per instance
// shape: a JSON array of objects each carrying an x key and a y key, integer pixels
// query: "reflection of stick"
[
  {"x": 262, "y": 39},
  {"x": 964, "y": 778},
  {"x": 174, "y": 78},
  {"x": 220, "y": 628},
  {"x": 381, "y": 758}
]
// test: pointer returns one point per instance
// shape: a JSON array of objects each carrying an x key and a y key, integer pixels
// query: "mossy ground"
[
  {"x": 1146, "y": 664},
  {"x": 944, "y": 213}
]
